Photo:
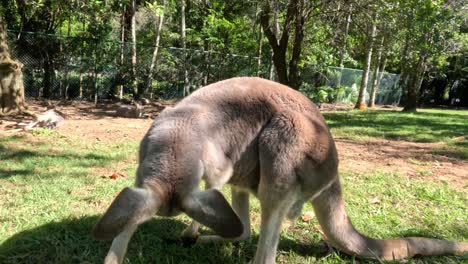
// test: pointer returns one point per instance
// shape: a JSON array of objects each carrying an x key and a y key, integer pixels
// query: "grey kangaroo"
[{"x": 262, "y": 138}]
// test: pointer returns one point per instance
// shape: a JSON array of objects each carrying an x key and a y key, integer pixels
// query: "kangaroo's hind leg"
[
  {"x": 118, "y": 249},
  {"x": 279, "y": 187},
  {"x": 214, "y": 179},
  {"x": 240, "y": 204},
  {"x": 191, "y": 231}
]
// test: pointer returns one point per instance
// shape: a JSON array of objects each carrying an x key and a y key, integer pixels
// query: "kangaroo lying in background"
[{"x": 261, "y": 138}]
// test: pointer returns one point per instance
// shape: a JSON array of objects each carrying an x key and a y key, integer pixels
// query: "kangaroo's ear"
[
  {"x": 211, "y": 209},
  {"x": 131, "y": 206}
]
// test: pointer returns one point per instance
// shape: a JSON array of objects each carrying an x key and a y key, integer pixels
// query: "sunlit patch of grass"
[
  {"x": 427, "y": 125},
  {"x": 457, "y": 148}
]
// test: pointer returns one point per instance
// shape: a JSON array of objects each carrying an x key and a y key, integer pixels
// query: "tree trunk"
[
  {"x": 375, "y": 75},
  {"x": 412, "y": 94},
  {"x": 207, "y": 56},
  {"x": 361, "y": 103},
  {"x": 276, "y": 32},
  {"x": 81, "y": 82},
  {"x": 297, "y": 13},
  {"x": 277, "y": 43},
  {"x": 279, "y": 62},
  {"x": 134, "y": 49},
  {"x": 294, "y": 78},
  {"x": 66, "y": 84},
  {"x": 259, "y": 53},
  {"x": 158, "y": 28},
  {"x": 345, "y": 36},
  {"x": 120, "y": 86},
  {"x": 184, "y": 47},
  {"x": 49, "y": 74},
  {"x": 403, "y": 82},
  {"x": 11, "y": 77},
  {"x": 344, "y": 44}
]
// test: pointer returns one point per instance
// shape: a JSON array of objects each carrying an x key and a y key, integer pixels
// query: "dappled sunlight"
[{"x": 432, "y": 126}]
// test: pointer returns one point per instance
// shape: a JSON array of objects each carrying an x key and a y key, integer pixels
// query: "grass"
[
  {"x": 52, "y": 192},
  {"x": 449, "y": 128}
]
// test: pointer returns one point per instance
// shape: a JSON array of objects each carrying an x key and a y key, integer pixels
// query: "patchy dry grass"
[
  {"x": 52, "y": 192},
  {"x": 447, "y": 127}
]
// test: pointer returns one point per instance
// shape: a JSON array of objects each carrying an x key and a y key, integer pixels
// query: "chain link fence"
[
  {"x": 348, "y": 81},
  {"x": 63, "y": 67},
  {"x": 341, "y": 85},
  {"x": 73, "y": 68}
]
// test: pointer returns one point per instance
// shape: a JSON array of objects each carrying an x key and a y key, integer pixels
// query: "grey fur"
[
  {"x": 263, "y": 138},
  {"x": 133, "y": 110},
  {"x": 49, "y": 119}
]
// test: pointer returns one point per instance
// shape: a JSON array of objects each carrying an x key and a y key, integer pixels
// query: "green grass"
[
  {"x": 427, "y": 125},
  {"x": 52, "y": 192}
]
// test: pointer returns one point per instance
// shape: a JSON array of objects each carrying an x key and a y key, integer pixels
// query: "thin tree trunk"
[
  {"x": 361, "y": 103},
  {"x": 403, "y": 82},
  {"x": 184, "y": 47},
  {"x": 158, "y": 28},
  {"x": 47, "y": 81},
  {"x": 271, "y": 75},
  {"x": 207, "y": 71},
  {"x": 259, "y": 53},
  {"x": 382, "y": 71},
  {"x": 345, "y": 36},
  {"x": 122, "y": 52},
  {"x": 95, "y": 75},
  {"x": 375, "y": 75},
  {"x": 344, "y": 44},
  {"x": 134, "y": 50},
  {"x": 276, "y": 32},
  {"x": 67, "y": 84},
  {"x": 81, "y": 83}
]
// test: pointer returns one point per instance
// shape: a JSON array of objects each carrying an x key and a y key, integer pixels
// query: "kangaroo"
[{"x": 262, "y": 138}]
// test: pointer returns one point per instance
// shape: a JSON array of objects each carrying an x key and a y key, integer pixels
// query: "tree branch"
[
  {"x": 265, "y": 22},
  {"x": 290, "y": 14}
]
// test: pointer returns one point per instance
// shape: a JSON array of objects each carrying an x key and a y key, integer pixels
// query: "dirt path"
[
  {"x": 410, "y": 159},
  {"x": 415, "y": 160}
]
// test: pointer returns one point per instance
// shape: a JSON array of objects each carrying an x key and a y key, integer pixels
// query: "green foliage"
[
  {"x": 327, "y": 94},
  {"x": 223, "y": 40}
]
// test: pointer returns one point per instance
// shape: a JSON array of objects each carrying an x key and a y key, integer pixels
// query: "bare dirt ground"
[{"x": 414, "y": 160}]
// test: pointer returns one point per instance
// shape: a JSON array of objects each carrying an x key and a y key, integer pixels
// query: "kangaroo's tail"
[{"x": 331, "y": 214}]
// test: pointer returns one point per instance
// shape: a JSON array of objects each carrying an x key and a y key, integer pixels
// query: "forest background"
[{"x": 103, "y": 49}]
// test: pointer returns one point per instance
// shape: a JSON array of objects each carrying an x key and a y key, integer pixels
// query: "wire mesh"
[
  {"x": 58, "y": 66},
  {"x": 349, "y": 80}
]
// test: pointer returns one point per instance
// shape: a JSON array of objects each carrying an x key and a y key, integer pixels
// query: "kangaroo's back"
[{"x": 250, "y": 93}]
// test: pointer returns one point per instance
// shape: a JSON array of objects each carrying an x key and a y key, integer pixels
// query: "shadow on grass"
[
  {"x": 456, "y": 149},
  {"x": 69, "y": 241},
  {"x": 12, "y": 138},
  {"x": 400, "y": 125},
  {"x": 25, "y": 162}
]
